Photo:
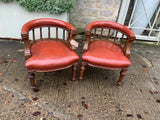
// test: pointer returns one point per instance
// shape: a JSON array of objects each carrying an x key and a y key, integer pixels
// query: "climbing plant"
[{"x": 52, "y": 6}]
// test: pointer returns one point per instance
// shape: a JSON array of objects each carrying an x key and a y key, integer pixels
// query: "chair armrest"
[
  {"x": 85, "y": 47},
  {"x": 27, "y": 52},
  {"x": 128, "y": 43},
  {"x": 71, "y": 42},
  {"x": 87, "y": 40}
]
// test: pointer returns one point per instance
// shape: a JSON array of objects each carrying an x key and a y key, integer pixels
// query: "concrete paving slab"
[{"x": 95, "y": 98}]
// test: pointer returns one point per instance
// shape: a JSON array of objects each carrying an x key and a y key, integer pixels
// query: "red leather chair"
[
  {"x": 107, "y": 46},
  {"x": 47, "y": 46}
]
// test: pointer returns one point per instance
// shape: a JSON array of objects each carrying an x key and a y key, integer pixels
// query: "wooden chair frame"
[
  {"x": 130, "y": 37},
  {"x": 39, "y": 24}
]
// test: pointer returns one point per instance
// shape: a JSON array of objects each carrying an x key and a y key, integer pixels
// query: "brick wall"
[{"x": 86, "y": 11}]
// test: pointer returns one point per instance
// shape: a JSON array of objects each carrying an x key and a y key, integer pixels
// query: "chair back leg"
[
  {"x": 83, "y": 65},
  {"x": 31, "y": 76},
  {"x": 122, "y": 74},
  {"x": 74, "y": 69}
]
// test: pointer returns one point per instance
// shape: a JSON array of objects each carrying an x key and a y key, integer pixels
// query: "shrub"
[
  {"x": 52, "y": 6},
  {"x": 6, "y": 0}
]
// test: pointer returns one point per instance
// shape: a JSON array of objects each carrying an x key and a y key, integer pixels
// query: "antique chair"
[
  {"x": 107, "y": 45},
  {"x": 48, "y": 46}
]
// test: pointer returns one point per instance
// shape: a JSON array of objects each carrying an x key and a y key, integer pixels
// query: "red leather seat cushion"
[
  {"x": 50, "y": 55},
  {"x": 106, "y": 54}
]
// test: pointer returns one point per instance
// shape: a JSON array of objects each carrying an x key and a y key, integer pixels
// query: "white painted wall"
[{"x": 13, "y": 17}]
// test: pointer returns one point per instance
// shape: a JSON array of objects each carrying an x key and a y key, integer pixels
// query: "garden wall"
[
  {"x": 13, "y": 17},
  {"x": 86, "y": 11}
]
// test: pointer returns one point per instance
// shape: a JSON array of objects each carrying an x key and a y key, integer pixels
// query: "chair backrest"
[
  {"x": 47, "y": 28},
  {"x": 108, "y": 30}
]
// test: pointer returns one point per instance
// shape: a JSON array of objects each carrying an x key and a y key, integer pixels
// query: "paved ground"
[{"x": 95, "y": 98}]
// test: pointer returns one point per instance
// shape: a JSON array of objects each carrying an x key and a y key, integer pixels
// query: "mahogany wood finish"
[
  {"x": 48, "y": 53},
  {"x": 107, "y": 45}
]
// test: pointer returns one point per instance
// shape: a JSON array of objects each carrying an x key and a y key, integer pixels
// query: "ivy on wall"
[{"x": 52, "y": 6}]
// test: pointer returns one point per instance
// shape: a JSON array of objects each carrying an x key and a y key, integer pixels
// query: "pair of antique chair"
[{"x": 107, "y": 46}]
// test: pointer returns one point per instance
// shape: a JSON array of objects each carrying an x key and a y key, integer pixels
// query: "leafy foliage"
[
  {"x": 53, "y": 6},
  {"x": 6, "y": 0}
]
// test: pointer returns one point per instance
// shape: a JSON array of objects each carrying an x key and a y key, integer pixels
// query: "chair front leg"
[
  {"x": 74, "y": 69},
  {"x": 122, "y": 74},
  {"x": 82, "y": 70},
  {"x": 31, "y": 76}
]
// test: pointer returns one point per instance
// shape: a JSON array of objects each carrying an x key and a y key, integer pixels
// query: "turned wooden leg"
[
  {"x": 74, "y": 69},
  {"x": 82, "y": 70},
  {"x": 31, "y": 76},
  {"x": 122, "y": 74}
]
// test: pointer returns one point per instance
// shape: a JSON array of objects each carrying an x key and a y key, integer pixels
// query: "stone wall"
[{"x": 86, "y": 11}]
